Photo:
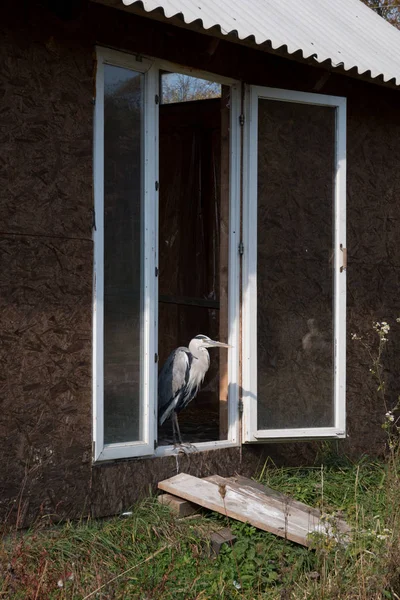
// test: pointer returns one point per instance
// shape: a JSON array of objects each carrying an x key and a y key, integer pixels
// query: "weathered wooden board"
[
  {"x": 247, "y": 504},
  {"x": 182, "y": 508},
  {"x": 286, "y": 504},
  {"x": 273, "y": 494},
  {"x": 293, "y": 508}
]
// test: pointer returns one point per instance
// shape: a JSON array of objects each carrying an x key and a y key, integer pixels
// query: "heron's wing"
[{"x": 172, "y": 380}]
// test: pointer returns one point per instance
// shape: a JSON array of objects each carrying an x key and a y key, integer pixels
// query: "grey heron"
[{"x": 181, "y": 377}]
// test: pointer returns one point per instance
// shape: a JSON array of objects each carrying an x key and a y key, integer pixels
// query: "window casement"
[
  {"x": 146, "y": 141},
  {"x": 205, "y": 199},
  {"x": 125, "y": 170},
  {"x": 294, "y": 267}
]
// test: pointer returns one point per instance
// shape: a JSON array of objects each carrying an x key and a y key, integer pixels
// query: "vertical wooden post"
[{"x": 224, "y": 260}]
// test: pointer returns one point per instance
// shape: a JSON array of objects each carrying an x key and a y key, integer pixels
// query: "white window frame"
[
  {"x": 146, "y": 447},
  {"x": 251, "y": 433},
  {"x": 102, "y": 451}
]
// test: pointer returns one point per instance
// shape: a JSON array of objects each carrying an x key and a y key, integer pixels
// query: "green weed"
[{"x": 152, "y": 554}]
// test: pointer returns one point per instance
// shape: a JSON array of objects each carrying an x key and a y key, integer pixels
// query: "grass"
[{"x": 151, "y": 554}]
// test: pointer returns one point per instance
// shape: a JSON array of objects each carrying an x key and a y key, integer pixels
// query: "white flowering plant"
[{"x": 392, "y": 417}]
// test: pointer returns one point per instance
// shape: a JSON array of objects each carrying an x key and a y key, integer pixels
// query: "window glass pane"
[
  {"x": 123, "y": 119},
  {"x": 296, "y": 144}
]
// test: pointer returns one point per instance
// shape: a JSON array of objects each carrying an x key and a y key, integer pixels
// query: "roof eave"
[{"x": 250, "y": 42}]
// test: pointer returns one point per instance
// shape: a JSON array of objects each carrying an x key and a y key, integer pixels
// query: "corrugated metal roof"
[{"x": 344, "y": 32}]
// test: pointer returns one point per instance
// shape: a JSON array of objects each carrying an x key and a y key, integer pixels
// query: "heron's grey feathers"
[
  {"x": 182, "y": 375},
  {"x": 172, "y": 381}
]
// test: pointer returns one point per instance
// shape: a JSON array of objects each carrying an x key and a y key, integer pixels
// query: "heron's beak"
[{"x": 214, "y": 344}]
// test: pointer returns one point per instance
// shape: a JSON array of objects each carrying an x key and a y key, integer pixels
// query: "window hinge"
[
  {"x": 241, "y": 248},
  {"x": 156, "y": 358},
  {"x": 157, "y": 186},
  {"x": 94, "y": 219},
  {"x": 241, "y": 120},
  {"x": 94, "y": 450},
  {"x": 157, "y": 99},
  {"x": 240, "y": 406},
  {"x": 156, "y": 271},
  {"x": 344, "y": 265}
]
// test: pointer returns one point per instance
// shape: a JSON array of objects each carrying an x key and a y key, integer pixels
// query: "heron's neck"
[
  {"x": 199, "y": 352},
  {"x": 200, "y": 363}
]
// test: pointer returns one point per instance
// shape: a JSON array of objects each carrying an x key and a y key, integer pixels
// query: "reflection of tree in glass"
[{"x": 177, "y": 87}]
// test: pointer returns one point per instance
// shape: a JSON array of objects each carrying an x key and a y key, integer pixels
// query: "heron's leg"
[
  {"x": 182, "y": 447},
  {"x": 175, "y": 426}
]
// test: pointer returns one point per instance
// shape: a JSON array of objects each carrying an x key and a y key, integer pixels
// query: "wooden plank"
[
  {"x": 250, "y": 483},
  {"x": 224, "y": 260},
  {"x": 188, "y": 301},
  {"x": 239, "y": 504},
  {"x": 293, "y": 509},
  {"x": 299, "y": 516},
  {"x": 181, "y": 507},
  {"x": 341, "y": 525}
]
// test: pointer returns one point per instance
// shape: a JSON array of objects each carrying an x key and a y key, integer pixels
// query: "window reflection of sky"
[
  {"x": 123, "y": 84},
  {"x": 177, "y": 87},
  {"x": 114, "y": 76}
]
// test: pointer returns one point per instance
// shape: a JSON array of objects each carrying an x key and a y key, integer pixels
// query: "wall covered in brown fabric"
[{"x": 46, "y": 254}]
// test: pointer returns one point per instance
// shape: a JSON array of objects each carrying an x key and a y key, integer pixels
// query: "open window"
[
  {"x": 169, "y": 165},
  {"x": 294, "y": 266},
  {"x": 166, "y": 261},
  {"x": 195, "y": 212}
]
